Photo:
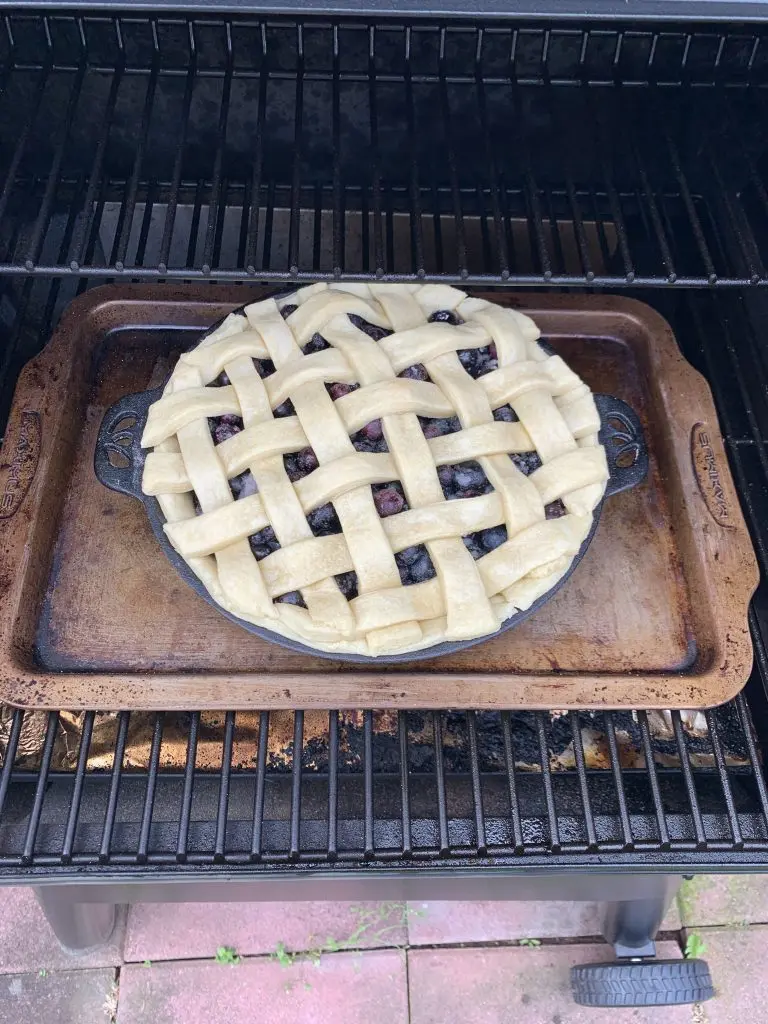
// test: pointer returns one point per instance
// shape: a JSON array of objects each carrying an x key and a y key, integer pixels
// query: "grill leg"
[
  {"x": 631, "y": 925},
  {"x": 77, "y": 926}
]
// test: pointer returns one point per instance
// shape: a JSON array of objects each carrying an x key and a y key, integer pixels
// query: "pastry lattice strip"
[{"x": 557, "y": 418}]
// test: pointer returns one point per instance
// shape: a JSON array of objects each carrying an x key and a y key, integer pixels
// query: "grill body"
[{"x": 148, "y": 145}]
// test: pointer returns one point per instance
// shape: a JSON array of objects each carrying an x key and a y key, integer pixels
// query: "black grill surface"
[
  {"x": 236, "y": 149},
  {"x": 152, "y": 147}
]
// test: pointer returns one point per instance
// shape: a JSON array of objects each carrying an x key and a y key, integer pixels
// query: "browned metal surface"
[{"x": 94, "y": 616}]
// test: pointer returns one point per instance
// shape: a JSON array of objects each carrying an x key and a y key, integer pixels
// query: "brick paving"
[
  {"x": 346, "y": 988},
  {"x": 196, "y": 930},
  {"x": 498, "y": 985},
  {"x": 342, "y": 963},
  {"x": 27, "y": 943}
]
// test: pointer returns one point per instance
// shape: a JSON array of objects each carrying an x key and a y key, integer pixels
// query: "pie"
[{"x": 375, "y": 469}]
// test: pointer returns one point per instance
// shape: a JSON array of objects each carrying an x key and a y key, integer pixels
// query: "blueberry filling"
[
  {"x": 338, "y": 390},
  {"x": 264, "y": 543},
  {"x": 446, "y": 316},
  {"x": 220, "y": 382},
  {"x": 347, "y": 582},
  {"x": 299, "y": 464},
  {"x": 315, "y": 344},
  {"x": 373, "y": 332},
  {"x": 526, "y": 462},
  {"x": 244, "y": 485},
  {"x": 286, "y": 311},
  {"x": 554, "y": 509},
  {"x": 286, "y": 409},
  {"x": 493, "y": 537},
  {"x": 323, "y": 521},
  {"x": 414, "y": 565},
  {"x": 264, "y": 367},
  {"x": 473, "y": 546},
  {"x": 436, "y": 427},
  {"x": 292, "y": 597},
  {"x": 224, "y": 427},
  {"x": 479, "y": 361},
  {"x": 483, "y": 541},
  {"x": 505, "y": 414},
  {"x": 389, "y": 498},
  {"x": 370, "y": 438},
  {"x": 464, "y": 480},
  {"x": 415, "y": 372}
]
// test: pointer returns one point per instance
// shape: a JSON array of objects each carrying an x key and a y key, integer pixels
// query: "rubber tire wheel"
[{"x": 642, "y": 983}]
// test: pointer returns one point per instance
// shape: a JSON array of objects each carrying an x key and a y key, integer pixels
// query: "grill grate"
[
  {"x": 306, "y": 149},
  {"x": 467, "y": 803},
  {"x": 288, "y": 150}
]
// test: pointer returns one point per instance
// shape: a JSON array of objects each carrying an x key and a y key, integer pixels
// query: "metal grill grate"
[
  {"x": 447, "y": 787},
  {"x": 235, "y": 149}
]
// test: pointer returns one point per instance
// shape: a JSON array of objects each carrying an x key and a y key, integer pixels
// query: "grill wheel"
[{"x": 642, "y": 983}]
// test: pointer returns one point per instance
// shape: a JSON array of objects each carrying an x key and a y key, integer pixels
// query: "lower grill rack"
[{"x": 127, "y": 790}]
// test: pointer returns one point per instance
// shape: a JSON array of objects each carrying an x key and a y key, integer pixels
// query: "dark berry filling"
[
  {"x": 224, "y": 427},
  {"x": 415, "y": 372},
  {"x": 436, "y": 427},
  {"x": 464, "y": 480},
  {"x": 389, "y": 498},
  {"x": 286, "y": 311},
  {"x": 526, "y": 462},
  {"x": 506, "y": 414},
  {"x": 347, "y": 582},
  {"x": 264, "y": 542},
  {"x": 315, "y": 344},
  {"x": 292, "y": 597},
  {"x": 299, "y": 464},
  {"x": 370, "y": 438},
  {"x": 479, "y": 361},
  {"x": 323, "y": 521},
  {"x": 493, "y": 537},
  {"x": 338, "y": 390},
  {"x": 483, "y": 541},
  {"x": 264, "y": 367},
  {"x": 414, "y": 565},
  {"x": 473, "y": 546},
  {"x": 373, "y": 332},
  {"x": 220, "y": 382},
  {"x": 446, "y": 316},
  {"x": 286, "y": 409},
  {"x": 244, "y": 485},
  {"x": 555, "y": 509}
]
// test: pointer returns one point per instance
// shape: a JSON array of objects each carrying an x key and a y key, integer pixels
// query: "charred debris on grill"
[{"x": 386, "y": 750}]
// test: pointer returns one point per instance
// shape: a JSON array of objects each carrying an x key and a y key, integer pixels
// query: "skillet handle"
[
  {"x": 622, "y": 435},
  {"x": 118, "y": 460}
]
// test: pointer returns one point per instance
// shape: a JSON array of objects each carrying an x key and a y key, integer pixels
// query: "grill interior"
[
  {"x": 234, "y": 149},
  {"x": 142, "y": 147}
]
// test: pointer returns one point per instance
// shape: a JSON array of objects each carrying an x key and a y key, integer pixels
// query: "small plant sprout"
[
  {"x": 226, "y": 955},
  {"x": 694, "y": 947},
  {"x": 530, "y": 943}
]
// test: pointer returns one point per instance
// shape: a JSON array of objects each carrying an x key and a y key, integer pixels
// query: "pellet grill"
[{"x": 621, "y": 150}]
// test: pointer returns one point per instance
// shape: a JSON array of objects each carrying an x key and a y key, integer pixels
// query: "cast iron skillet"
[{"x": 119, "y": 465}]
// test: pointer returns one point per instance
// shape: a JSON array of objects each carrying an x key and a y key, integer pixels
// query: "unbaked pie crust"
[{"x": 243, "y": 521}]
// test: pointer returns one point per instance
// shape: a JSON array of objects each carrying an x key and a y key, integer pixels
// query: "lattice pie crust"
[{"x": 375, "y": 468}]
